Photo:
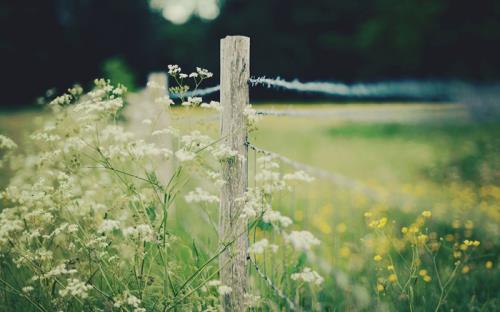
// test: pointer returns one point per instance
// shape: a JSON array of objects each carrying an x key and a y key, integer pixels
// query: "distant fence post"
[
  {"x": 144, "y": 106},
  {"x": 234, "y": 96}
]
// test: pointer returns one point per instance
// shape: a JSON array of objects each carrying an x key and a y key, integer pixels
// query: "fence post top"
[{"x": 237, "y": 37}]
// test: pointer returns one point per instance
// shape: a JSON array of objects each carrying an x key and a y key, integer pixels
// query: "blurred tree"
[{"x": 53, "y": 43}]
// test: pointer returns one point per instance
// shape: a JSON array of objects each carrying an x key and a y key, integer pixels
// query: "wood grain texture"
[{"x": 234, "y": 96}]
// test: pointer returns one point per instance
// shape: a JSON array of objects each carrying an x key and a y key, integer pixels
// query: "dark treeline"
[{"x": 55, "y": 43}]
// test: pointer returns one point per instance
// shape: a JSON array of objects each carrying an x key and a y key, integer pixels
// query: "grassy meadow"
[{"x": 427, "y": 241}]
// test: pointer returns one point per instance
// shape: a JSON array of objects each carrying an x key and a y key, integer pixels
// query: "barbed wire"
[
  {"x": 411, "y": 89},
  {"x": 276, "y": 290},
  {"x": 326, "y": 175},
  {"x": 197, "y": 92},
  {"x": 385, "y": 89}
]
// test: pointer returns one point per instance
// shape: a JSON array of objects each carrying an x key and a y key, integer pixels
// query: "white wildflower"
[
  {"x": 212, "y": 105},
  {"x": 259, "y": 246},
  {"x": 275, "y": 218},
  {"x": 166, "y": 131},
  {"x": 192, "y": 101},
  {"x": 184, "y": 155},
  {"x": 174, "y": 69},
  {"x": 147, "y": 121},
  {"x": 223, "y": 152},
  {"x": 199, "y": 195},
  {"x": 76, "y": 288},
  {"x": 302, "y": 240},
  {"x": 142, "y": 232},
  {"x": 27, "y": 289},
  {"x": 109, "y": 225},
  {"x": 203, "y": 73},
  {"x": 309, "y": 276},
  {"x": 6, "y": 143}
]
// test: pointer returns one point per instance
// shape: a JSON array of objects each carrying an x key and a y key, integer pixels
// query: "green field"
[{"x": 414, "y": 158}]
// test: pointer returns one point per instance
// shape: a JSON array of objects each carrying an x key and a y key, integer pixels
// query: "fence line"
[
  {"x": 410, "y": 89},
  {"x": 385, "y": 89},
  {"x": 197, "y": 92},
  {"x": 323, "y": 174}
]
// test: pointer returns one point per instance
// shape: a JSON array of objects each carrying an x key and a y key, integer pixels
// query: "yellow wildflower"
[
  {"x": 341, "y": 227},
  {"x": 345, "y": 252},
  {"x": 390, "y": 268},
  {"x": 380, "y": 288},
  {"x": 382, "y": 222},
  {"x": 392, "y": 278},
  {"x": 422, "y": 273},
  {"x": 427, "y": 214},
  {"x": 488, "y": 264},
  {"x": 427, "y": 278},
  {"x": 377, "y": 258},
  {"x": 465, "y": 269},
  {"x": 404, "y": 230}
]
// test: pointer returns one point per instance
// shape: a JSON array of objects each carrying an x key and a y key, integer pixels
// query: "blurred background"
[
  {"x": 381, "y": 157},
  {"x": 52, "y": 44}
]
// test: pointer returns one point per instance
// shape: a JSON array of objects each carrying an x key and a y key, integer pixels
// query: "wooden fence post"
[{"x": 234, "y": 96}]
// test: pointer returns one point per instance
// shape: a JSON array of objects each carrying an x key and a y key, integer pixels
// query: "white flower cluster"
[
  {"x": 199, "y": 195},
  {"x": 251, "y": 117},
  {"x": 6, "y": 143},
  {"x": 203, "y": 73},
  {"x": 75, "y": 288},
  {"x": 260, "y": 246},
  {"x": 127, "y": 299},
  {"x": 309, "y": 276},
  {"x": 141, "y": 232},
  {"x": 109, "y": 225},
  {"x": 212, "y": 105},
  {"x": 276, "y": 219},
  {"x": 268, "y": 175},
  {"x": 174, "y": 70},
  {"x": 192, "y": 101},
  {"x": 301, "y": 240}
]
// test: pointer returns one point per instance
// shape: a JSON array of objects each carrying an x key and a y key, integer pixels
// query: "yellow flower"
[
  {"x": 368, "y": 214},
  {"x": 465, "y": 269},
  {"x": 422, "y": 273},
  {"x": 380, "y": 288},
  {"x": 488, "y": 264},
  {"x": 377, "y": 258},
  {"x": 341, "y": 227},
  {"x": 382, "y": 222},
  {"x": 427, "y": 214},
  {"x": 404, "y": 230},
  {"x": 390, "y": 268},
  {"x": 427, "y": 278},
  {"x": 469, "y": 224},
  {"x": 345, "y": 252},
  {"x": 422, "y": 238},
  {"x": 392, "y": 278}
]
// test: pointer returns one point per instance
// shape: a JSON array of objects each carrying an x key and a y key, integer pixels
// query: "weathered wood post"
[{"x": 234, "y": 96}]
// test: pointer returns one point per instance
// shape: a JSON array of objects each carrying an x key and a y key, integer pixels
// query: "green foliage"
[{"x": 118, "y": 71}]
